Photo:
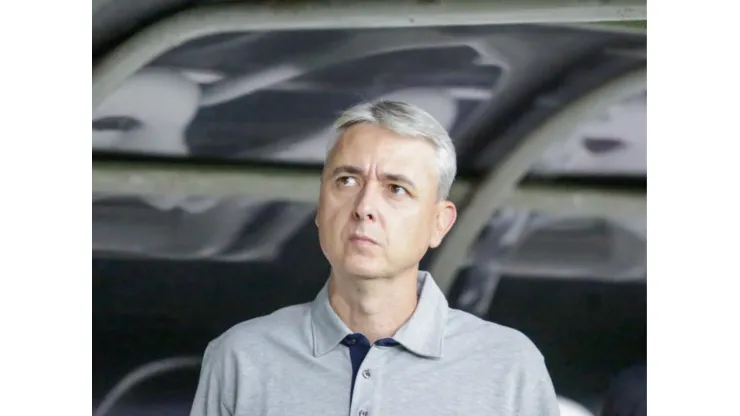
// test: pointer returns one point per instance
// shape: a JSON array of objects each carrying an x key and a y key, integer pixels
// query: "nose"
[{"x": 366, "y": 206}]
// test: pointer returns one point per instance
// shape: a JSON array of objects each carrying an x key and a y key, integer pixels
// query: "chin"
[{"x": 364, "y": 268}]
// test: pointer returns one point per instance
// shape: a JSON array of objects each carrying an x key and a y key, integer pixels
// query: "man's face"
[{"x": 378, "y": 210}]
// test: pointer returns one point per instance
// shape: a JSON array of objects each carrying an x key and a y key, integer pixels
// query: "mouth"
[{"x": 362, "y": 240}]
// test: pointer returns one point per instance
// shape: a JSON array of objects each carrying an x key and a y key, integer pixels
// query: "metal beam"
[
  {"x": 302, "y": 185},
  {"x": 144, "y": 178},
  {"x": 579, "y": 202},
  {"x": 502, "y": 181},
  {"x": 636, "y": 27},
  {"x": 203, "y": 21},
  {"x": 268, "y": 183}
]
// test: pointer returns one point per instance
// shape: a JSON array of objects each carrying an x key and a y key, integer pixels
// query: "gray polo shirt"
[{"x": 297, "y": 361}]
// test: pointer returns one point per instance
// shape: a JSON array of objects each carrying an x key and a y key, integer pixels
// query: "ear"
[
  {"x": 443, "y": 222},
  {"x": 320, "y": 200}
]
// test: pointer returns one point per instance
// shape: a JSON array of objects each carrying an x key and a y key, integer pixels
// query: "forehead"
[{"x": 372, "y": 148}]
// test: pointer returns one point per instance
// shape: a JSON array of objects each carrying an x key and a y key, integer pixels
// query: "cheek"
[
  {"x": 330, "y": 224},
  {"x": 409, "y": 231},
  {"x": 325, "y": 238}
]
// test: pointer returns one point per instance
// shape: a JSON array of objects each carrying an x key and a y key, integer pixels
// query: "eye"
[
  {"x": 346, "y": 181},
  {"x": 398, "y": 190}
]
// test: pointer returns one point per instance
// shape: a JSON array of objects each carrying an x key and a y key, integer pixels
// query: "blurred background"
[{"x": 553, "y": 235}]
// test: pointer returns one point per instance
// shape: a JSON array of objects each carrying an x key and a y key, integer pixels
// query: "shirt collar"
[
  {"x": 328, "y": 329},
  {"x": 422, "y": 334}
]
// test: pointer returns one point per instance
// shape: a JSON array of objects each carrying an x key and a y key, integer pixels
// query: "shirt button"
[
  {"x": 363, "y": 412},
  {"x": 366, "y": 373}
]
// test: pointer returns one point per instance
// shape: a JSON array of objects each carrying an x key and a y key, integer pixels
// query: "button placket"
[{"x": 366, "y": 385}]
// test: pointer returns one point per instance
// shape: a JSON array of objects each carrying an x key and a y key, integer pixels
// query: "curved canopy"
[{"x": 208, "y": 139}]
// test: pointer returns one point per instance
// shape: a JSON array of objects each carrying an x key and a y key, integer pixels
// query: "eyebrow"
[{"x": 354, "y": 170}]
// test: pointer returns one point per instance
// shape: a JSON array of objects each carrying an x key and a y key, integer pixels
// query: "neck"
[{"x": 376, "y": 308}]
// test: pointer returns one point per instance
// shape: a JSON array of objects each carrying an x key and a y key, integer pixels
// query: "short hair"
[{"x": 409, "y": 121}]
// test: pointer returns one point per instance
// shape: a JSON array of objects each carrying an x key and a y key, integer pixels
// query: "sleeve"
[
  {"x": 538, "y": 395},
  {"x": 212, "y": 384}
]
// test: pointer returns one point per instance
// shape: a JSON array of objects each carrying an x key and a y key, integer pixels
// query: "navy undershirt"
[{"x": 359, "y": 346}]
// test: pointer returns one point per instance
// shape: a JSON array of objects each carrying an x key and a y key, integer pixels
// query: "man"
[{"x": 379, "y": 339}]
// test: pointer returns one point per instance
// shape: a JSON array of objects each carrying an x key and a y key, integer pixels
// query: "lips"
[{"x": 362, "y": 239}]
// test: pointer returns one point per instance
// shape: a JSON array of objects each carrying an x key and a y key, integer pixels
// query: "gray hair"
[{"x": 410, "y": 121}]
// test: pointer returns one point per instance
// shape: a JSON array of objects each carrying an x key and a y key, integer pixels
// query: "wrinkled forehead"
[{"x": 377, "y": 150}]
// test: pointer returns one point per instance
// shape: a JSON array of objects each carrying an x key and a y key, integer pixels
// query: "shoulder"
[
  {"x": 285, "y": 325},
  {"x": 498, "y": 341}
]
